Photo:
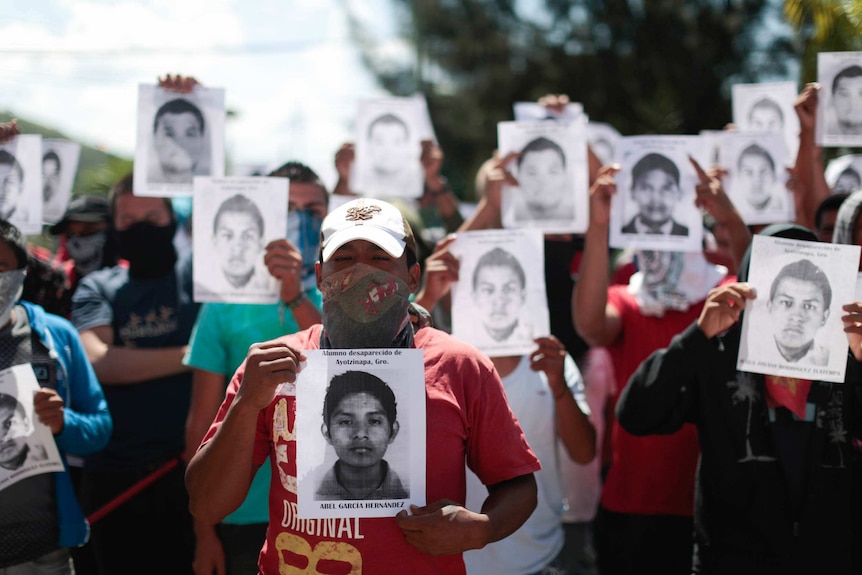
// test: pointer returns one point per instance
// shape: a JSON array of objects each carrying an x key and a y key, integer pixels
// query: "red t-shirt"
[
  {"x": 653, "y": 474},
  {"x": 468, "y": 419}
]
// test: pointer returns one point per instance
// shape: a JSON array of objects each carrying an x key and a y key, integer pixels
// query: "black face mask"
[{"x": 149, "y": 249}]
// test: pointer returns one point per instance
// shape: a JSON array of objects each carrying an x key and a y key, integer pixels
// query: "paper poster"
[
  {"x": 767, "y": 107},
  {"x": 839, "y": 113},
  {"x": 180, "y": 136},
  {"x": 844, "y": 174},
  {"x": 360, "y": 432},
  {"x": 533, "y": 111},
  {"x": 21, "y": 177},
  {"x": 654, "y": 206},
  {"x": 604, "y": 141},
  {"x": 233, "y": 221},
  {"x": 499, "y": 304},
  {"x": 59, "y": 167},
  {"x": 756, "y": 182},
  {"x": 27, "y": 445},
  {"x": 553, "y": 178},
  {"x": 793, "y": 328},
  {"x": 389, "y": 134}
]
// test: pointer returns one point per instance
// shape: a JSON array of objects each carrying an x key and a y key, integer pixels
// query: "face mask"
[
  {"x": 303, "y": 231},
  {"x": 364, "y": 307},
  {"x": 149, "y": 249},
  {"x": 11, "y": 286},
  {"x": 86, "y": 251}
]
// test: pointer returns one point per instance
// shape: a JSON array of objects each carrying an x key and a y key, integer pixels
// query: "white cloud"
[{"x": 289, "y": 70}]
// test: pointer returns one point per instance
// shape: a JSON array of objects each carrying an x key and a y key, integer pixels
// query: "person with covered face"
[
  {"x": 220, "y": 340},
  {"x": 135, "y": 322},
  {"x": 41, "y": 519},
  {"x": 366, "y": 272}
]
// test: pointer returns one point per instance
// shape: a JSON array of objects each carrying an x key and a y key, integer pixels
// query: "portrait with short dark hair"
[
  {"x": 21, "y": 182},
  {"x": 361, "y": 419},
  {"x": 767, "y": 108},
  {"x": 234, "y": 219},
  {"x": 389, "y": 132},
  {"x": 839, "y": 113},
  {"x": 549, "y": 167},
  {"x": 27, "y": 445},
  {"x": 59, "y": 167},
  {"x": 499, "y": 304},
  {"x": 653, "y": 207},
  {"x": 604, "y": 140},
  {"x": 756, "y": 166},
  {"x": 180, "y": 136},
  {"x": 793, "y": 327},
  {"x": 844, "y": 174}
]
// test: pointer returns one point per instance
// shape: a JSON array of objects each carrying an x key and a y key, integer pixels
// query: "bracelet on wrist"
[{"x": 295, "y": 302}]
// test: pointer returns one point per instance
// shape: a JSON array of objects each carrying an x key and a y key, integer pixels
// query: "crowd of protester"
[{"x": 617, "y": 446}]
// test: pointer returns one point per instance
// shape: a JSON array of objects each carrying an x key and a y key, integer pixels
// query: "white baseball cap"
[{"x": 368, "y": 219}]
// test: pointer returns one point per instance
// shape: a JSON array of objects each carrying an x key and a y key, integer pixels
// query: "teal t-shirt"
[{"x": 219, "y": 344}]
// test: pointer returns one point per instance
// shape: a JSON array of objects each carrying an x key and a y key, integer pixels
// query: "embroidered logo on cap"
[{"x": 361, "y": 213}]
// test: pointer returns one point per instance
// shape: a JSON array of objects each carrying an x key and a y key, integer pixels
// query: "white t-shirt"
[{"x": 539, "y": 540}]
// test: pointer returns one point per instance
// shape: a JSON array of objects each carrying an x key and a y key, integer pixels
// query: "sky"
[{"x": 289, "y": 69}]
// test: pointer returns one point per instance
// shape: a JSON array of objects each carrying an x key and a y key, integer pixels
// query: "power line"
[{"x": 272, "y": 47}]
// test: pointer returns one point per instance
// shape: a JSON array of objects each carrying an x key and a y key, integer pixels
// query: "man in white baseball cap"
[{"x": 366, "y": 273}]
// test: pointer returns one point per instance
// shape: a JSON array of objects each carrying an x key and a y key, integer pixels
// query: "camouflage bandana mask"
[{"x": 364, "y": 307}]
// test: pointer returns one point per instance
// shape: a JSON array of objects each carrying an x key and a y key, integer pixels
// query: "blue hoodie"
[{"x": 87, "y": 421}]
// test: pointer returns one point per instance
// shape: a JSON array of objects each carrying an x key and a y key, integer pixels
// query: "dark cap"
[{"x": 83, "y": 209}]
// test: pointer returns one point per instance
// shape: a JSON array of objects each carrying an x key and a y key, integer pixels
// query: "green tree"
[
  {"x": 649, "y": 66},
  {"x": 824, "y": 26}
]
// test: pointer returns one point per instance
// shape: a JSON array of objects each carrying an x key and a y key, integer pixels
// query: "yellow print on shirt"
[
  {"x": 282, "y": 434},
  {"x": 297, "y": 557}
]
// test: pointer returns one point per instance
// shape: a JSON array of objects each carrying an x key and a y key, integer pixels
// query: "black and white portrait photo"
[
  {"x": 654, "y": 204},
  {"x": 21, "y": 182},
  {"x": 550, "y": 169},
  {"x": 793, "y": 328},
  {"x": 389, "y": 132},
  {"x": 604, "y": 140},
  {"x": 533, "y": 111},
  {"x": 767, "y": 107},
  {"x": 234, "y": 219},
  {"x": 59, "y": 167},
  {"x": 844, "y": 174},
  {"x": 756, "y": 165},
  {"x": 499, "y": 303},
  {"x": 361, "y": 432},
  {"x": 839, "y": 114},
  {"x": 180, "y": 136},
  {"x": 27, "y": 445}
]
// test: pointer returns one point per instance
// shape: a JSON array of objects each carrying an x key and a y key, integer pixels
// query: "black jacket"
[{"x": 759, "y": 508}]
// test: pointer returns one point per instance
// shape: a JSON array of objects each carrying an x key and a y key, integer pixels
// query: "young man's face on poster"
[
  {"x": 542, "y": 179},
  {"x": 797, "y": 310},
  {"x": 757, "y": 178},
  {"x": 14, "y": 430},
  {"x": 179, "y": 143},
  {"x": 499, "y": 295},
  {"x": 238, "y": 243},
  {"x": 12, "y": 186},
  {"x": 387, "y": 146},
  {"x": 847, "y": 102},
  {"x": 360, "y": 431},
  {"x": 656, "y": 193}
]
